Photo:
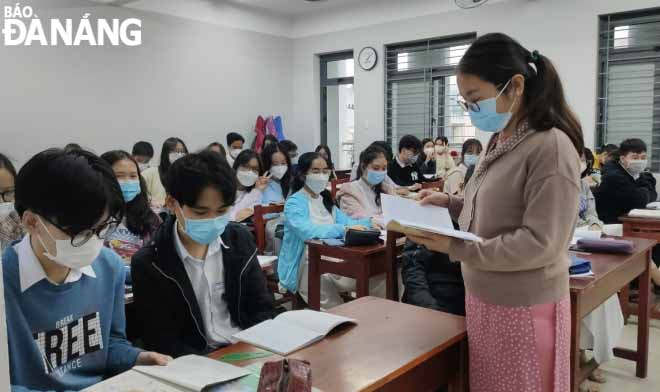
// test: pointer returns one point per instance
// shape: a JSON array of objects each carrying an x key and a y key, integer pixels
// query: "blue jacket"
[{"x": 298, "y": 228}]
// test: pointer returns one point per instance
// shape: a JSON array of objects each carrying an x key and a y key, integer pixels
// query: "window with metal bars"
[
  {"x": 421, "y": 92},
  {"x": 629, "y": 80}
]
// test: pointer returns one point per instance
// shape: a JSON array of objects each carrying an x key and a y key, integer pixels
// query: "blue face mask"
[
  {"x": 130, "y": 189},
  {"x": 487, "y": 118},
  {"x": 375, "y": 177},
  {"x": 470, "y": 159},
  {"x": 205, "y": 231}
]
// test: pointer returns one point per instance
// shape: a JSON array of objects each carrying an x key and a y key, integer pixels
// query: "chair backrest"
[
  {"x": 336, "y": 184},
  {"x": 438, "y": 184},
  {"x": 260, "y": 222},
  {"x": 343, "y": 173}
]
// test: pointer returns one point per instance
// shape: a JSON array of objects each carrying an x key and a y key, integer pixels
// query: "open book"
[
  {"x": 409, "y": 214},
  {"x": 188, "y": 373},
  {"x": 291, "y": 331}
]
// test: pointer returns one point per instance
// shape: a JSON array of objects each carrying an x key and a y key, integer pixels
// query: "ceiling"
[{"x": 296, "y": 8}]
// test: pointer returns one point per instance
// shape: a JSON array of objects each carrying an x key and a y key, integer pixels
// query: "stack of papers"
[
  {"x": 409, "y": 213},
  {"x": 654, "y": 205},
  {"x": 585, "y": 233},
  {"x": 644, "y": 214},
  {"x": 266, "y": 261}
]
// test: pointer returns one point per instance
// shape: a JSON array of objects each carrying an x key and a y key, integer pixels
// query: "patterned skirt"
[{"x": 521, "y": 349}]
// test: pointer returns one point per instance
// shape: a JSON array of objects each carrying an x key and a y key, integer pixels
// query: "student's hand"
[
  {"x": 244, "y": 214},
  {"x": 402, "y": 191},
  {"x": 595, "y": 227},
  {"x": 262, "y": 182},
  {"x": 430, "y": 197},
  {"x": 415, "y": 187},
  {"x": 434, "y": 242},
  {"x": 150, "y": 358},
  {"x": 375, "y": 224},
  {"x": 358, "y": 227}
]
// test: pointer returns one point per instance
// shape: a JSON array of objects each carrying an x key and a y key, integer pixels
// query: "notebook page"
[
  {"x": 278, "y": 336},
  {"x": 320, "y": 322},
  {"x": 132, "y": 381},
  {"x": 194, "y": 372}
]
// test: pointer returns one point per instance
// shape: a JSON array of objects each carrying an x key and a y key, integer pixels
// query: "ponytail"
[{"x": 496, "y": 58}]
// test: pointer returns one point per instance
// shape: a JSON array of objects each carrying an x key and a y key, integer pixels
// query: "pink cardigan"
[{"x": 358, "y": 200}]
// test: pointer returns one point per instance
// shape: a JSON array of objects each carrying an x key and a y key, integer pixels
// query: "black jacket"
[
  {"x": 431, "y": 280},
  {"x": 404, "y": 176},
  {"x": 619, "y": 192},
  {"x": 168, "y": 311}
]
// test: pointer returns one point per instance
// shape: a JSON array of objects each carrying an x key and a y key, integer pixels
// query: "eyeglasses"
[
  {"x": 103, "y": 231},
  {"x": 8, "y": 195},
  {"x": 468, "y": 106}
]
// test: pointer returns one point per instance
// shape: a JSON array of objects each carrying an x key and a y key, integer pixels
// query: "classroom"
[{"x": 330, "y": 195}]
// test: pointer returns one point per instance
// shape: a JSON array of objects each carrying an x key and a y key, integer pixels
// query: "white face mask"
[
  {"x": 234, "y": 152},
  {"x": 74, "y": 257},
  {"x": 6, "y": 208},
  {"x": 636, "y": 166},
  {"x": 143, "y": 166},
  {"x": 279, "y": 171},
  {"x": 175, "y": 156},
  {"x": 440, "y": 149},
  {"x": 429, "y": 152},
  {"x": 247, "y": 178},
  {"x": 317, "y": 182}
]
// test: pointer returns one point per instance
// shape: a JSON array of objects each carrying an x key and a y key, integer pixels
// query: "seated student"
[
  {"x": 403, "y": 170},
  {"x": 608, "y": 152},
  {"x": 277, "y": 163},
  {"x": 140, "y": 222},
  {"x": 427, "y": 160},
  {"x": 432, "y": 280},
  {"x": 361, "y": 198},
  {"x": 325, "y": 153},
  {"x": 235, "y": 143},
  {"x": 251, "y": 184},
  {"x": 624, "y": 184},
  {"x": 444, "y": 160},
  {"x": 217, "y": 148},
  {"x": 10, "y": 223},
  {"x": 64, "y": 292},
  {"x": 143, "y": 152},
  {"x": 589, "y": 174},
  {"x": 292, "y": 150},
  {"x": 154, "y": 177},
  {"x": 587, "y": 215},
  {"x": 269, "y": 139},
  {"x": 312, "y": 213},
  {"x": 454, "y": 181},
  {"x": 199, "y": 281}
]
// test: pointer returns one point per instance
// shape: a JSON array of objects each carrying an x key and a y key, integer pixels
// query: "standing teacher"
[{"x": 522, "y": 200}]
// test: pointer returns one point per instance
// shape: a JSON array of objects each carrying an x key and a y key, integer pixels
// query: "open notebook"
[
  {"x": 291, "y": 331},
  {"x": 406, "y": 213},
  {"x": 188, "y": 373}
]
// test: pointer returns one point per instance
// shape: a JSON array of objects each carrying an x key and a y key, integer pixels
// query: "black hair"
[
  {"x": 632, "y": 145},
  {"x": 589, "y": 160},
  {"x": 269, "y": 139},
  {"x": 610, "y": 148},
  {"x": 443, "y": 139},
  {"x": 304, "y": 164},
  {"x": 243, "y": 159},
  {"x": 71, "y": 189},
  {"x": 410, "y": 142},
  {"x": 367, "y": 156},
  {"x": 140, "y": 218},
  {"x": 232, "y": 137},
  {"x": 5, "y": 163},
  {"x": 289, "y": 145},
  {"x": 144, "y": 149},
  {"x": 327, "y": 151},
  {"x": 223, "y": 152},
  {"x": 496, "y": 58},
  {"x": 169, "y": 145},
  {"x": 467, "y": 146},
  {"x": 72, "y": 147},
  {"x": 190, "y": 175},
  {"x": 385, "y": 146},
  {"x": 267, "y": 162}
]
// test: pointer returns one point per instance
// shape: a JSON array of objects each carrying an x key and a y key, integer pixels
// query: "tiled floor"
[{"x": 620, "y": 373}]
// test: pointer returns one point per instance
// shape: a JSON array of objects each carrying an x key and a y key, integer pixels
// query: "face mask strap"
[{"x": 42, "y": 241}]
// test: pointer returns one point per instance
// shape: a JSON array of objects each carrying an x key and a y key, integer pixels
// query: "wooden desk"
[
  {"x": 640, "y": 228},
  {"x": 358, "y": 262},
  {"x": 612, "y": 272},
  {"x": 394, "y": 347}
]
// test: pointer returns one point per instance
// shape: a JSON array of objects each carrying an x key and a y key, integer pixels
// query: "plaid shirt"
[{"x": 10, "y": 229}]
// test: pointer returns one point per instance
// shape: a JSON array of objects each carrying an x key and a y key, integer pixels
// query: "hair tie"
[{"x": 535, "y": 56}]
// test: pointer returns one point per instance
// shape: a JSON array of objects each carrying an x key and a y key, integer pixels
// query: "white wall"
[
  {"x": 190, "y": 79},
  {"x": 566, "y": 31}
]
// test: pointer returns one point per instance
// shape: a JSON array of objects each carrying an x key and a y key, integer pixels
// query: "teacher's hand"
[
  {"x": 430, "y": 197},
  {"x": 435, "y": 242}
]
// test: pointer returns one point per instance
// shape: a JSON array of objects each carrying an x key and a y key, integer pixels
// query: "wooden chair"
[
  {"x": 438, "y": 185},
  {"x": 343, "y": 173},
  {"x": 336, "y": 184},
  {"x": 260, "y": 222}
]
